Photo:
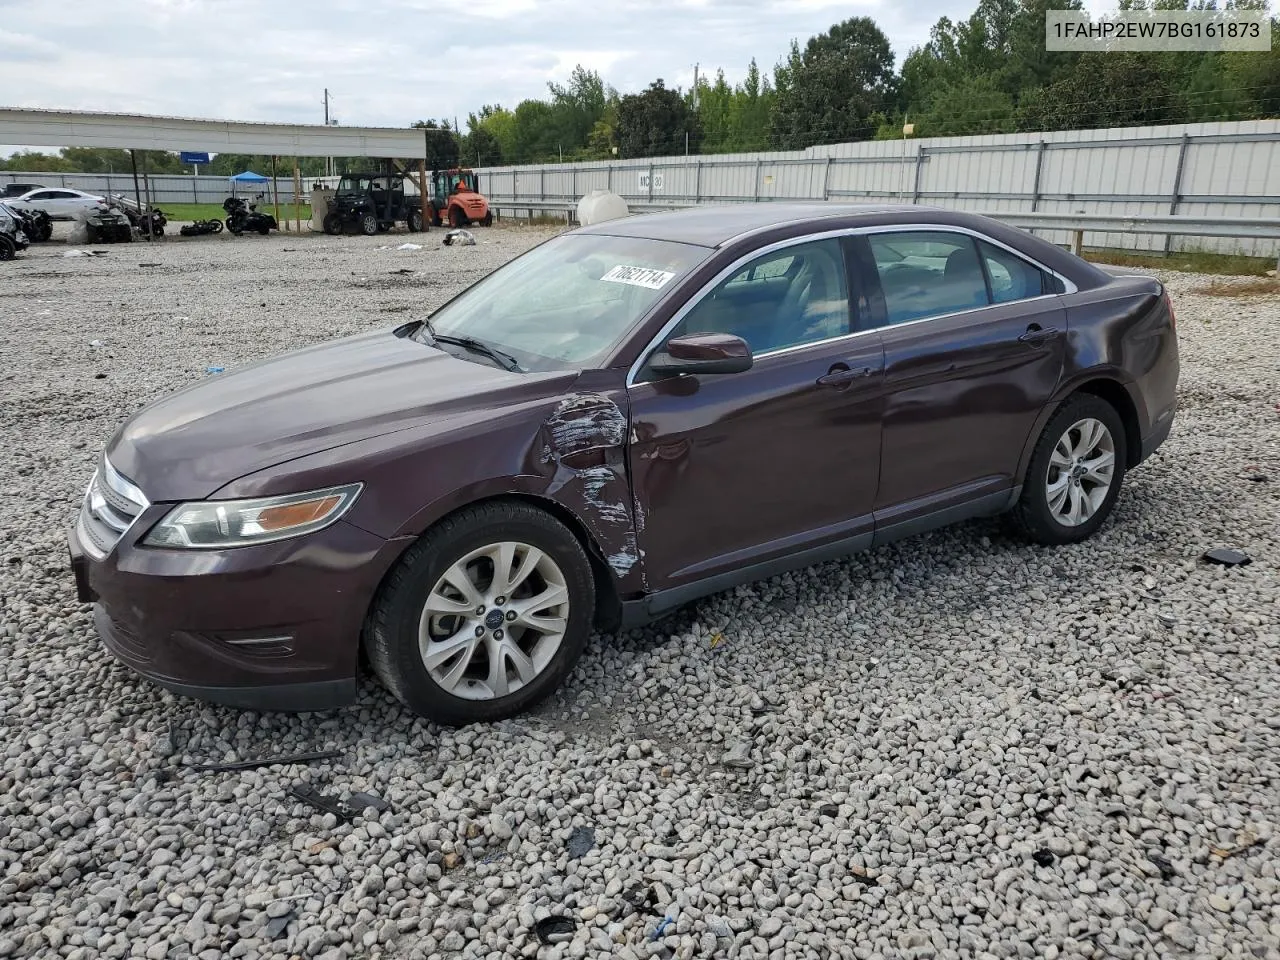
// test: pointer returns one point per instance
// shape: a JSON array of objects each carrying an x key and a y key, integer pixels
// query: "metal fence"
[
  {"x": 1220, "y": 170},
  {"x": 165, "y": 188}
]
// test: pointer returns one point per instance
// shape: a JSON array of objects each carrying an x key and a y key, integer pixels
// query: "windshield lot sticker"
[{"x": 638, "y": 276}]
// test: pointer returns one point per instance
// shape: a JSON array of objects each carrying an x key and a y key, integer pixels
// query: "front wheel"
[
  {"x": 331, "y": 224},
  {"x": 414, "y": 221},
  {"x": 1075, "y": 473},
  {"x": 8, "y": 249},
  {"x": 369, "y": 225},
  {"x": 457, "y": 218},
  {"x": 484, "y": 617},
  {"x": 488, "y": 219}
]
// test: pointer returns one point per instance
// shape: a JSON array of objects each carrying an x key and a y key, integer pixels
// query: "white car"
[{"x": 60, "y": 203}]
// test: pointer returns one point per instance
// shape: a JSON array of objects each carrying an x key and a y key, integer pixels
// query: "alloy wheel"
[
  {"x": 494, "y": 620},
  {"x": 1081, "y": 471}
]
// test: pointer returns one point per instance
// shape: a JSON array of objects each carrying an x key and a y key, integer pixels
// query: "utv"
[{"x": 373, "y": 203}]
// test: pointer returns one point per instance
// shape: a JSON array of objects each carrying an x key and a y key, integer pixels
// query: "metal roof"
[{"x": 82, "y": 128}]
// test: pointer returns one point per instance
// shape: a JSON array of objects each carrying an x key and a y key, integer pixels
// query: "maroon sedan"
[{"x": 627, "y": 417}]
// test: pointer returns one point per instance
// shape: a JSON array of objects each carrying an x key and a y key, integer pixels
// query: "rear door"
[{"x": 974, "y": 338}]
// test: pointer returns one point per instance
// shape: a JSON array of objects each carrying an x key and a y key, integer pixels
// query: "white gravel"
[{"x": 976, "y": 748}]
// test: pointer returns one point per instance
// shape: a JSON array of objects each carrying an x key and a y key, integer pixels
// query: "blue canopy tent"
[{"x": 247, "y": 177}]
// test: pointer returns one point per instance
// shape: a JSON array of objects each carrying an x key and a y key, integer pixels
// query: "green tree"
[
  {"x": 656, "y": 123},
  {"x": 481, "y": 147},
  {"x": 576, "y": 108},
  {"x": 440, "y": 144},
  {"x": 1107, "y": 90},
  {"x": 828, "y": 91}
]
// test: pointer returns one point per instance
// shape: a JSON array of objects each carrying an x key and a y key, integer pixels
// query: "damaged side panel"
[{"x": 581, "y": 447}]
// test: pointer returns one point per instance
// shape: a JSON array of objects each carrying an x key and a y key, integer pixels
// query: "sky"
[{"x": 391, "y": 62}]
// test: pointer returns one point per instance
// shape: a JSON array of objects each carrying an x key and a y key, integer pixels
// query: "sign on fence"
[{"x": 644, "y": 181}]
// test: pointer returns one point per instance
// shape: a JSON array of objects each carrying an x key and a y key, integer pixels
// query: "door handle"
[
  {"x": 1037, "y": 335},
  {"x": 842, "y": 375}
]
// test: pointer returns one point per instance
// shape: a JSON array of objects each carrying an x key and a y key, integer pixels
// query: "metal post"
[
  {"x": 422, "y": 193},
  {"x": 1035, "y": 186},
  {"x": 195, "y": 184},
  {"x": 275, "y": 191},
  {"x": 146, "y": 187},
  {"x": 297, "y": 195},
  {"x": 697, "y": 182},
  {"x": 542, "y": 184},
  {"x": 915, "y": 190},
  {"x": 1176, "y": 196},
  {"x": 826, "y": 176},
  {"x": 137, "y": 192},
  {"x": 608, "y": 180},
  {"x": 575, "y": 182},
  {"x": 757, "y": 188},
  {"x": 651, "y": 182}
]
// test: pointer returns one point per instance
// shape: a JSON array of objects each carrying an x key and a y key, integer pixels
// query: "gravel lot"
[{"x": 959, "y": 746}]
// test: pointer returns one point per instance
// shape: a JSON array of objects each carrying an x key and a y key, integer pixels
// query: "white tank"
[{"x": 600, "y": 205}]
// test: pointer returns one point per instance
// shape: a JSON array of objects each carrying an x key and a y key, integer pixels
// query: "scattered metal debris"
[
  {"x": 321, "y": 845},
  {"x": 269, "y": 761},
  {"x": 276, "y": 926},
  {"x": 148, "y": 264},
  {"x": 1227, "y": 557},
  {"x": 359, "y": 802},
  {"x": 325, "y": 804},
  {"x": 1043, "y": 858},
  {"x": 829, "y": 810},
  {"x": 409, "y": 246},
  {"x": 582, "y": 840},
  {"x": 555, "y": 929},
  {"x": 402, "y": 270}
]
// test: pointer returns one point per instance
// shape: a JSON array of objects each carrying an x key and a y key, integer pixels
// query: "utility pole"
[
  {"x": 695, "y": 89},
  {"x": 328, "y": 161}
]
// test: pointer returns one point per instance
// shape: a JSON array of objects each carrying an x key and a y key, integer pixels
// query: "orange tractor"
[{"x": 456, "y": 198}]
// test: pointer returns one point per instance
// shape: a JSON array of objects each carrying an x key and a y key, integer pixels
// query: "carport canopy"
[{"x": 79, "y": 128}]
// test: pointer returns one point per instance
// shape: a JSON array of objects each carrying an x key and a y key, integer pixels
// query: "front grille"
[{"x": 111, "y": 505}]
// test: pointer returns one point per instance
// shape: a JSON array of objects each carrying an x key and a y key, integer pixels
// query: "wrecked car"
[{"x": 627, "y": 417}]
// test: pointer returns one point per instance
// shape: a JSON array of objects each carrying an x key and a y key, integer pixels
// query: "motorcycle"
[
  {"x": 242, "y": 216},
  {"x": 36, "y": 224},
  {"x": 200, "y": 227},
  {"x": 139, "y": 215}
]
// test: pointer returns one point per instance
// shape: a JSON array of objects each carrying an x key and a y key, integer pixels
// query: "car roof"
[{"x": 716, "y": 225}]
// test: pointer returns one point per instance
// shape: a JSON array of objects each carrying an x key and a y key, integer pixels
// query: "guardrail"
[{"x": 1077, "y": 224}]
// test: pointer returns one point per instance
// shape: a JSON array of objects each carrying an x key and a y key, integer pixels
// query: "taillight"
[{"x": 1173, "y": 317}]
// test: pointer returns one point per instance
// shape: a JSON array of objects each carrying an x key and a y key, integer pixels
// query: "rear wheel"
[
  {"x": 488, "y": 219},
  {"x": 331, "y": 224},
  {"x": 484, "y": 617},
  {"x": 216, "y": 225},
  {"x": 456, "y": 217},
  {"x": 369, "y": 225},
  {"x": 8, "y": 249},
  {"x": 1075, "y": 473},
  {"x": 414, "y": 221}
]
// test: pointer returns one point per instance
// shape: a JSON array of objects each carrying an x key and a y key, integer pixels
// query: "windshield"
[
  {"x": 567, "y": 302},
  {"x": 353, "y": 185}
]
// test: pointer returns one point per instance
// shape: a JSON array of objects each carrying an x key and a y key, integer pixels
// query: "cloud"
[{"x": 391, "y": 62}]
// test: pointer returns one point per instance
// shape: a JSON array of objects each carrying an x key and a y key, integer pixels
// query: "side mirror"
[{"x": 703, "y": 353}]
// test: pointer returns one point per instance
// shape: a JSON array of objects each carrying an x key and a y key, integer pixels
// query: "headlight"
[{"x": 214, "y": 524}]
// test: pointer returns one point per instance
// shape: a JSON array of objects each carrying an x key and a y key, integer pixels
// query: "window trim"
[{"x": 655, "y": 342}]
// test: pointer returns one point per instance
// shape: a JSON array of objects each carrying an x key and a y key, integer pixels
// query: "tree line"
[{"x": 989, "y": 73}]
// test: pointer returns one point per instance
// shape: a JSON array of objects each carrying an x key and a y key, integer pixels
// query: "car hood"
[{"x": 191, "y": 443}]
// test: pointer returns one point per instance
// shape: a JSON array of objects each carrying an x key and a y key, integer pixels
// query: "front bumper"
[{"x": 268, "y": 627}]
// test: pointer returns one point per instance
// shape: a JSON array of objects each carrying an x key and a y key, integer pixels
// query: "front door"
[
  {"x": 974, "y": 341},
  {"x": 732, "y": 470}
]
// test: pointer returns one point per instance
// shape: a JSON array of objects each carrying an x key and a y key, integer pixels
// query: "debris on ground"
[
  {"x": 276, "y": 926},
  {"x": 555, "y": 929},
  {"x": 581, "y": 841},
  {"x": 214, "y": 369},
  {"x": 1246, "y": 841},
  {"x": 829, "y": 810},
  {"x": 1226, "y": 557},
  {"x": 459, "y": 238},
  {"x": 409, "y": 246},
  {"x": 738, "y": 755},
  {"x": 359, "y": 802},
  {"x": 1043, "y": 858},
  {"x": 402, "y": 270},
  {"x": 325, "y": 804},
  {"x": 321, "y": 845},
  {"x": 1164, "y": 865},
  {"x": 85, "y": 253},
  {"x": 267, "y": 761},
  {"x": 452, "y": 861},
  {"x": 148, "y": 264}
]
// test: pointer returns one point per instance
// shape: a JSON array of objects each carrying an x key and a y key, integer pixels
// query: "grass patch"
[
  {"x": 1259, "y": 287},
  {"x": 214, "y": 211},
  {"x": 1190, "y": 261}
]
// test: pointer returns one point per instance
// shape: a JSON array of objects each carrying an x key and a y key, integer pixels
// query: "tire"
[
  {"x": 331, "y": 224},
  {"x": 8, "y": 249},
  {"x": 414, "y": 221},
  {"x": 217, "y": 225},
  {"x": 456, "y": 217},
  {"x": 1059, "y": 482},
  {"x": 369, "y": 225},
  {"x": 460, "y": 692},
  {"x": 488, "y": 219}
]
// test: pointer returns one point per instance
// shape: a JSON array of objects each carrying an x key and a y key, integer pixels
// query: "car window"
[
  {"x": 63, "y": 195},
  {"x": 1013, "y": 278},
  {"x": 782, "y": 299},
  {"x": 926, "y": 274},
  {"x": 42, "y": 195}
]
